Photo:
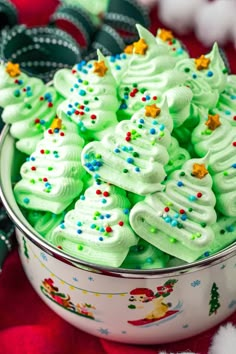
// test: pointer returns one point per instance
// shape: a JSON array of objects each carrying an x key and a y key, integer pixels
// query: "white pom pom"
[
  {"x": 147, "y": 3},
  {"x": 214, "y": 21},
  {"x": 179, "y": 15},
  {"x": 224, "y": 340}
]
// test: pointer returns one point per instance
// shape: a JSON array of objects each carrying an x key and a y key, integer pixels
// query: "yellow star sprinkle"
[
  {"x": 129, "y": 49},
  {"x": 152, "y": 111},
  {"x": 199, "y": 170},
  {"x": 213, "y": 121},
  {"x": 165, "y": 35},
  {"x": 140, "y": 47},
  {"x": 56, "y": 123},
  {"x": 100, "y": 68},
  {"x": 202, "y": 62},
  {"x": 13, "y": 69}
]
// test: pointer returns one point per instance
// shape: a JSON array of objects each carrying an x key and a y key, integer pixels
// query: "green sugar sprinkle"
[
  {"x": 125, "y": 170},
  {"x": 172, "y": 240}
]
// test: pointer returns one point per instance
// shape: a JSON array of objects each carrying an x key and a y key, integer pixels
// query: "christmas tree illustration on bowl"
[
  {"x": 161, "y": 309},
  {"x": 52, "y": 292},
  {"x": 214, "y": 300}
]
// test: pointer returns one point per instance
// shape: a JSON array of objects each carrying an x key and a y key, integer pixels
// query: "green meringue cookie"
[
  {"x": 29, "y": 107},
  {"x": 93, "y": 102},
  {"x": 97, "y": 230},
  {"x": 145, "y": 256},
  {"x": 51, "y": 178},
  {"x": 133, "y": 157},
  {"x": 151, "y": 73},
  {"x": 183, "y": 212}
]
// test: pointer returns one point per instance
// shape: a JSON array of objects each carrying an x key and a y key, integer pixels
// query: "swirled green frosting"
[{"x": 97, "y": 230}]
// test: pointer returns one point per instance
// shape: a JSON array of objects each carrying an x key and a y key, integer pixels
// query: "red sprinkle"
[
  {"x": 50, "y": 131},
  {"x": 167, "y": 209},
  {"x": 37, "y": 120},
  {"x": 93, "y": 116},
  {"x": 45, "y": 179},
  {"x": 81, "y": 113},
  {"x": 154, "y": 98},
  {"x": 128, "y": 138},
  {"x": 121, "y": 223},
  {"x": 182, "y": 211},
  {"x": 60, "y": 248},
  {"x": 144, "y": 99},
  {"x": 62, "y": 134},
  {"x": 76, "y": 113},
  {"x": 33, "y": 168},
  {"x": 81, "y": 106},
  {"x": 108, "y": 229},
  {"x": 98, "y": 191},
  {"x": 234, "y": 143},
  {"x": 199, "y": 195},
  {"x": 42, "y": 151},
  {"x": 234, "y": 118},
  {"x": 106, "y": 194},
  {"x": 128, "y": 134},
  {"x": 50, "y": 104},
  {"x": 41, "y": 98},
  {"x": 73, "y": 71}
]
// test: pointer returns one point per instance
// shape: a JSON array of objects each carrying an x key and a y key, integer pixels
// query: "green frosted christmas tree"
[{"x": 214, "y": 301}]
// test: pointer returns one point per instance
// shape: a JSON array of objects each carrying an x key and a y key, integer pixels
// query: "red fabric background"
[{"x": 27, "y": 325}]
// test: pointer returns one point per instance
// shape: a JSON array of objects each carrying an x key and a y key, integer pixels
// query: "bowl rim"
[{"x": 24, "y": 227}]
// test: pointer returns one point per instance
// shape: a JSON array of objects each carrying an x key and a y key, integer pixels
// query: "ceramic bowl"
[{"x": 130, "y": 306}]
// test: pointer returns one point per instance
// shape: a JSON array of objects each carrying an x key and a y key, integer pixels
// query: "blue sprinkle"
[
  {"x": 117, "y": 150},
  {"x": 123, "y": 56},
  {"x": 118, "y": 67},
  {"x": 234, "y": 165},
  {"x": 154, "y": 122},
  {"x": 233, "y": 97},
  {"x": 152, "y": 131},
  {"x": 179, "y": 51},
  {"x": 108, "y": 216},
  {"x": 230, "y": 228},
  {"x": 79, "y": 223},
  {"x": 126, "y": 211},
  {"x": 82, "y": 92},
  {"x": 130, "y": 160},
  {"x": 100, "y": 238},
  {"x": 180, "y": 184},
  {"x": 103, "y": 200},
  {"x": 227, "y": 113},
  {"x": 79, "y": 231},
  {"x": 101, "y": 217},
  {"x": 93, "y": 226},
  {"x": 176, "y": 215},
  {"x": 26, "y": 200},
  {"x": 112, "y": 59},
  {"x": 167, "y": 219},
  {"x": 183, "y": 217},
  {"x": 174, "y": 223},
  {"x": 210, "y": 74},
  {"x": 194, "y": 76},
  {"x": 137, "y": 169},
  {"x": 141, "y": 120},
  {"x": 62, "y": 226},
  {"x": 82, "y": 197},
  {"x": 162, "y": 127},
  {"x": 32, "y": 158},
  {"x": 192, "y": 198},
  {"x": 101, "y": 229},
  {"x": 207, "y": 254}
]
